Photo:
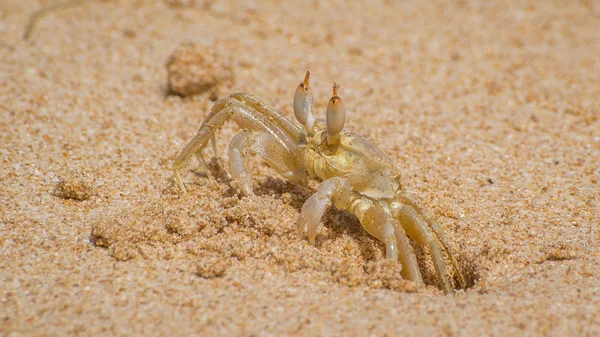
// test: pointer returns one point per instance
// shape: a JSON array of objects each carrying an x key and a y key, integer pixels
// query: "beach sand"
[{"x": 489, "y": 110}]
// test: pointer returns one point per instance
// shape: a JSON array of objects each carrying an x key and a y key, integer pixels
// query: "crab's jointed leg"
[
  {"x": 275, "y": 155},
  {"x": 416, "y": 228},
  {"x": 200, "y": 157},
  {"x": 292, "y": 129},
  {"x": 379, "y": 223},
  {"x": 246, "y": 118},
  {"x": 424, "y": 226}
]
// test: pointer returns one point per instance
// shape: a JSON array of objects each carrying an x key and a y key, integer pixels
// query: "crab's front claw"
[
  {"x": 337, "y": 190},
  {"x": 311, "y": 213}
]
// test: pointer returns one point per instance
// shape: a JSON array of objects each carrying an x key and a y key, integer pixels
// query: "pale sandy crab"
[{"x": 352, "y": 173}]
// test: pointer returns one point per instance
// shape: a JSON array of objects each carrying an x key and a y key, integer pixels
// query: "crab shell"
[{"x": 366, "y": 167}]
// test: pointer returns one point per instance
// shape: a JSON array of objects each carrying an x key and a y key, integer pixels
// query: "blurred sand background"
[{"x": 490, "y": 109}]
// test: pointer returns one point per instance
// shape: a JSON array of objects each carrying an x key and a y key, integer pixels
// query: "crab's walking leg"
[
  {"x": 417, "y": 229},
  {"x": 379, "y": 223},
  {"x": 201, "y": 158},
  {"x": 263, "y": 144},
  {"x": 291, "y": 129},
  {"x": 410, "y": 268},
  {"x": 439, "y": 233},
  {"x": 246, "y": 117}
]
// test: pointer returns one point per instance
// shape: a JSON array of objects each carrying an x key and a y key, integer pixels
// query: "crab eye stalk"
[
  {"x": 336, "y": 115},
  {"x": 303, "y": 104}
]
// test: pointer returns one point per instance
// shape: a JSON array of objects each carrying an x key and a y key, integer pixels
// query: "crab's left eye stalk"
[
  {"x": 303, "y": 104},
  {"x": 336, "y": 115}
]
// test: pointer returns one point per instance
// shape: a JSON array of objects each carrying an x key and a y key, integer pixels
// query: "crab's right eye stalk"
[
  {"x": 336, "y": 115},
  {"x": 303, "y": 104}
]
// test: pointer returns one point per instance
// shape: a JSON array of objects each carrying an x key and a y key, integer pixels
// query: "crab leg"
[
  {"x": 379, "y": 223},
  {"x": 245, "y": 117},
  {"x": 263, "y": 144},
  {"x": 201, "y": 158},
  {"x": 438, "y": 232},
  {"x": 410, "y": 268},
  {"x": 417, "y": 229},
  {"x": 291, "y": 129}
]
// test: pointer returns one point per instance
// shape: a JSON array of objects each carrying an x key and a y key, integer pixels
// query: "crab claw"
[
  {"x": 311, "y": 213},
  {"x": 303, "y": 104}
]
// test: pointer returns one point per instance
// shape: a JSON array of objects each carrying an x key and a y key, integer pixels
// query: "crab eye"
[
  {"x": 300, "y": 98},
  {"x": 336, "y": 114},
  {"x": 303, "y": 103}
]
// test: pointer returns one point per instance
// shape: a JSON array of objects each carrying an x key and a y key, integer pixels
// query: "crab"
[{"x": 351, "y": 172}]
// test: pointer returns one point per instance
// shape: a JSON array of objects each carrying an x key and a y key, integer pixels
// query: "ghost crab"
[{"x": 352, "y": 173}]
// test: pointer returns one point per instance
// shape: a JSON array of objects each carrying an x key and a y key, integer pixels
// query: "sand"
[{"x": 490, "y": 110}]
